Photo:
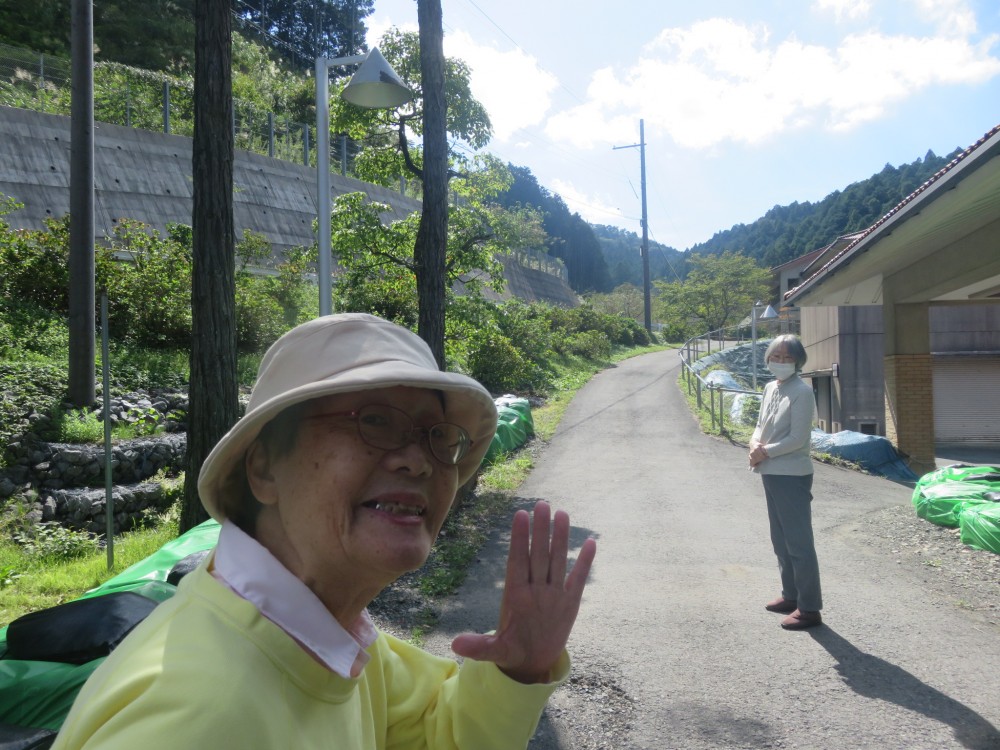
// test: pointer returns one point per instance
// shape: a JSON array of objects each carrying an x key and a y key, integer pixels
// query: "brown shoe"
[
  {"x": 782, "y": 605},
  {"x": 800, "y": 620}
]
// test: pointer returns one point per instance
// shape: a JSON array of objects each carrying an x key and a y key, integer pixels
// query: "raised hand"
[{"x": 540, "y": 602}]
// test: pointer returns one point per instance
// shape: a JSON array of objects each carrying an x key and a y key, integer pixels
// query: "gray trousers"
[{"x": 789, "y": 510}]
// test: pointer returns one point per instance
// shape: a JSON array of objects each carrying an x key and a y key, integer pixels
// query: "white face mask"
[{"x": 781, "y": 370}]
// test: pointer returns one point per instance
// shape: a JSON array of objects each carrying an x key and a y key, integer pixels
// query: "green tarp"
[
  {"x": 940, "y": 496},
  {"x": 40, "y": 693},
  {"x": 980, "y": 527},
  {"x": 514, "y": 427}
]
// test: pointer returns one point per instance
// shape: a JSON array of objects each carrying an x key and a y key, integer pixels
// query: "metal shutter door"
[{"x": 966, "y": 399}]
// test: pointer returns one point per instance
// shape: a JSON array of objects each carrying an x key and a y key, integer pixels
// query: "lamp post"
[
  {"x": 375, "y": 85},
  {"x": 768, "y": 314}
]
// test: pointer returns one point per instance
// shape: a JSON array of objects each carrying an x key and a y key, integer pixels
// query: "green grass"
[
  {"x": 507, "y": 473},
  {"x": 30, "y": 582}
]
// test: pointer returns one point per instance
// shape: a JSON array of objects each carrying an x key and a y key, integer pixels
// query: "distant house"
[{"x": 902, "y": 320}]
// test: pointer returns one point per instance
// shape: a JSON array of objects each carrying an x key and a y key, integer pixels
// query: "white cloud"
[
  {"x": 720, "y": 80},
  {"x": 950, "y": 17},
  {"x": 595, "y": 209},
  {"x": 511, "y": 107},
  {"x": 845, "y": 10}
]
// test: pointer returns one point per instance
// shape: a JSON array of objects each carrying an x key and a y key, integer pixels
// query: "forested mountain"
[
  {"x": 786, "y": 232},
  {"x": 783, "y": 233},
  {"x": 571, "y": 238},
  {"x": 623, "y": 253},
  {"x": 153, "y": 34},
  {"x": 159, "y": 34}
]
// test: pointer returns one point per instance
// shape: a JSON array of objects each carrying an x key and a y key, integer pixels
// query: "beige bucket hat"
[{"x": 341, "y": 354}]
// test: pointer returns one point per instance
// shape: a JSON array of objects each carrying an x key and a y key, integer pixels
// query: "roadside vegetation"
[{"x": 532, "y": 350}]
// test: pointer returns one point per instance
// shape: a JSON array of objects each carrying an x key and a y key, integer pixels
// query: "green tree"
[
  {"x": 304, "y": 31},
  {"x": 570, "y": 238},
  {"x": 387, "y": 151},
  {"x": 719, "y": 291},
  {"x": 625, "y": 300},
  {"x": 378, "y": 269},
  {"x": 446, "y": 115}
]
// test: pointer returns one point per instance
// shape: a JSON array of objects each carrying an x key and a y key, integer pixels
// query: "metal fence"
[
  {"x": 700, "y": 346},
  {"x": 147, "y": 100},
  {"x": 137, "y": 98}
]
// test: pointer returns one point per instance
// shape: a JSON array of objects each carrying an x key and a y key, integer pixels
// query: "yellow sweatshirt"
[{"x": 207, "y": 670}]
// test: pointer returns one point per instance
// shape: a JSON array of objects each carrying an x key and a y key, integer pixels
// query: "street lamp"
[
  {"x": 375, "y": 85},
  {"x": 768, "y": 314}
]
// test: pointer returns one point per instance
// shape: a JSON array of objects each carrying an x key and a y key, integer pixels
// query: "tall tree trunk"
[
  {"x": 213, "y": 406},
  {"x": 82, "y": 294},
  {"x": 432, "y": 234}
]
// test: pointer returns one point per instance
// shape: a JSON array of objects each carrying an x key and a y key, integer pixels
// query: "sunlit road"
[{"x": 673, "y": 616}]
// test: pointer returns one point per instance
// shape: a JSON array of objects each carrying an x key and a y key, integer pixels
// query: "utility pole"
[{"x": 641, "y": 145}]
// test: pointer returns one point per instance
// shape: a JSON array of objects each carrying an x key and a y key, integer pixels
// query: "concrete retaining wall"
[{"x": 142, "y": 175}]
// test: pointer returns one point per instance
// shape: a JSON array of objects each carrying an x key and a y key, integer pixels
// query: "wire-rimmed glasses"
[{"x": 388, "y": 428}]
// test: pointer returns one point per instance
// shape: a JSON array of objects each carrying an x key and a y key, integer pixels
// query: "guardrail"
[
  {"x": 700, "y": 346},
  {"x": 694, "y": 349}
]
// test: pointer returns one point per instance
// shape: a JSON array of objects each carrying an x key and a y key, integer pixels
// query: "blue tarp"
[{"x": 873, "y": 453}]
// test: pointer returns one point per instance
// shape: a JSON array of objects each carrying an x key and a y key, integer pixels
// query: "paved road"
[{"x": 673, "y": 648}]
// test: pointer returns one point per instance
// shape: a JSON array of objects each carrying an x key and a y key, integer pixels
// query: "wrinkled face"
[{"x": 346, "y": 517}]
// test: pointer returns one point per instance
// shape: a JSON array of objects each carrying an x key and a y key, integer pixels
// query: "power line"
[{"x": 512, "y": 41}]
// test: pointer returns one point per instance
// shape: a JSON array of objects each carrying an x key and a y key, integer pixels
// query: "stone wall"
[{"x": 66, "y": 482}]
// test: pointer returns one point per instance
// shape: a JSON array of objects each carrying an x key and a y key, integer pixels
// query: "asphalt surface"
[{"x": 672, "y": 647}]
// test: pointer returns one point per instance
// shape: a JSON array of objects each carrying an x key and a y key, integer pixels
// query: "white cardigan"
[{"x": 784, "y": 427}]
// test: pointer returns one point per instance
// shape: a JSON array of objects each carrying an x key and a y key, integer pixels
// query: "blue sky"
[{"x": 746, "y": 105}]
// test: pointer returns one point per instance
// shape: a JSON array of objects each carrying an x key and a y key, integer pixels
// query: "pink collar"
[{"x": 252, "y": 572}]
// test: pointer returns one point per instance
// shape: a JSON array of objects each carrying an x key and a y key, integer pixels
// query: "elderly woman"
[
  {"x": 779, "y": 452},
  {"x": 334, "y": 483}
]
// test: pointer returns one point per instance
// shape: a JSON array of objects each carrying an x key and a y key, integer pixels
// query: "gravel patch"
[{"x": 960, "y": 575}]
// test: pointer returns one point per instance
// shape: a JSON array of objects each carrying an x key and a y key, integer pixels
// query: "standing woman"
[{"x": 779, "y": 452}]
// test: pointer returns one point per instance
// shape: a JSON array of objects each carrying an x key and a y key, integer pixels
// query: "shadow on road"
[{"x": 872, "y": 677}]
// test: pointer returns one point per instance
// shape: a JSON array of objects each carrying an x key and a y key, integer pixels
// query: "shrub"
[
  {"x": 35, "y": 263},
  {"x": 592, "y": 345},
  {"x": 81, "y": 426},
  {"x": 496, "y": 363},
  {"x": 150, "y": 296},
  {"x": 528, "y": 326},
  {"x": 27, "y": 328},
  {"x": 259, "y": 318},
  {"x": 49, "y": 541}
]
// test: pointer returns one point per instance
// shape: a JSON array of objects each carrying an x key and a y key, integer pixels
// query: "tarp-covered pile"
[
  {"x": 873, "y": 453},
  {"x": 514, "y": 427},
  {"x": 967, "y": 497},
  {"x": 56, "y": 649}
]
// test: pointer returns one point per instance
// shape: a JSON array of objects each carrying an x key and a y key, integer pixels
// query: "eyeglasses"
[{"x": 389, "y": 428}]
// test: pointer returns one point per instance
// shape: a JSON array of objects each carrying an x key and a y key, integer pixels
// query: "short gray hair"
[{"x": 792, "y": 345}]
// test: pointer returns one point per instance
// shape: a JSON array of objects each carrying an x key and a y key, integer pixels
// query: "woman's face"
[
  {"x": 344, "y": 516},
  {"x": 780, "y": 354}
]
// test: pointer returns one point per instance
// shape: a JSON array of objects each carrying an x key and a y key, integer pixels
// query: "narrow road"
[{"x": 673, "y": 648}]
